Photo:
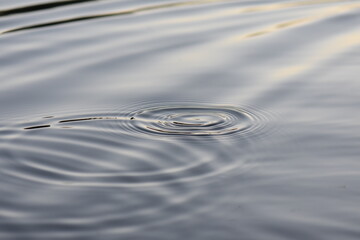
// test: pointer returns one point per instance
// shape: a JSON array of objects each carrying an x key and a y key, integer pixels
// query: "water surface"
[{"x": 204, "y": 119}]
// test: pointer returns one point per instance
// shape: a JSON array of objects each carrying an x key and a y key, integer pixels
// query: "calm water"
[{"x": 168, "y": 119}]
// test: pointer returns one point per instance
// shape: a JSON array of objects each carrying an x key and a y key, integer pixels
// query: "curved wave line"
[
  {"x": 324, "y": 53},
  {"x": 170, "y": 5},
  {"x": 257, "y": 9},
  {"x": 320, "y": 55},
  {"x": 41, "y": 6},
  {"x": 111, "y": 14},
  {"x": 279, "y": 6},
  {"x": 139, "y": 184},
  {"x": 279, "y": 26}
]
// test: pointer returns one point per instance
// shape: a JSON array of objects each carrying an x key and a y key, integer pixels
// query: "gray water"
[{"x": 162, "y": 119}]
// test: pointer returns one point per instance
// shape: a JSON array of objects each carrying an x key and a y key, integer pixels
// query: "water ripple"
[
  {"x": 119, "y": 150},
  {"x": 194, "y": 120},
  {"x": 136, "y": 169},
  {"x": 266, "y": 7},
  {"x": 95, "y": 16}
]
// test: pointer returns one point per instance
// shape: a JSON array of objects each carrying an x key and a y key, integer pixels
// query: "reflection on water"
[
  {"x": 153, "y": 179},
  {"x": 135, "y": 159},
  {"x": 174, "y": 119}
]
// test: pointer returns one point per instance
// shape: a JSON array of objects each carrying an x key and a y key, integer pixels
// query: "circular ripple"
[
  {"x": 128, "y": 181},
  {"x": 108, "y": 150},
  {"x": 102, "y": 150},
  {"x": 88, "y": 150},
  {"x": 197, "y": 120}
]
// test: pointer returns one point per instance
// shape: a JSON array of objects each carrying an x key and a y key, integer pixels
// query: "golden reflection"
[
  {"x": 289, "y": 71},
  {"x": 332, "y": 48},
  {"x": 256, "y": 34},
  {"x": 240, "y": 10},
  {"x": 279, "y": 6},
  {"x": 292, "y": 23}
]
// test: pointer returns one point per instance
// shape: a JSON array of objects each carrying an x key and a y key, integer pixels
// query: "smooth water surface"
[{"x": 169, "y": 119}]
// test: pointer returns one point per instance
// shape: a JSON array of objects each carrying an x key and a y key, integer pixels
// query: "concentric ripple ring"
[
  {"x": 194, "y": 120},
  {"x": 131, "y": 152}
]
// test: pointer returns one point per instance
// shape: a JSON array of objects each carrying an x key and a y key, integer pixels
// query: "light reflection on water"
[{"x": 179, "y": 119}]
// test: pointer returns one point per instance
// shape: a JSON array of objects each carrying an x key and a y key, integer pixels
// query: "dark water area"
[{"x": 162, "y": 119}]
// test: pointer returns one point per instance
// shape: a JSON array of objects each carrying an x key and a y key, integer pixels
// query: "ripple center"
[{"x": 192, "y": 120}]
